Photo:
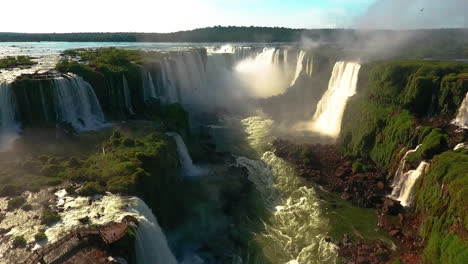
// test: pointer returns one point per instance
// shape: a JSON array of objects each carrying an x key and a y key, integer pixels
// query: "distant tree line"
[
  {"x": 237, "y": 34},
  {"x": 211, "y": 34}
]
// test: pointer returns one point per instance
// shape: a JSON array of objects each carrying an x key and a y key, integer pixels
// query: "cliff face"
[{"x": 403, "y": 104}]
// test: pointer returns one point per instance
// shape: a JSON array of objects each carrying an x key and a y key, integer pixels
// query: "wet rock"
[
  {"x": 345, "y": 196},
  {"x": 395, "y": 233},
  {"x": 380, "y": 185},
  {"x": 391, "y": 207}
]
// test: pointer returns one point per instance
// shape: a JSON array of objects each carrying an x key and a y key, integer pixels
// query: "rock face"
[
  {"x": 325, "y": 165},
  {"x": 391, "y": 207}
]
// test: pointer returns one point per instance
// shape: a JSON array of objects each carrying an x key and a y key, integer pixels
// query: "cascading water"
[
  {"x": 401, "y": 168},
  {"x": 299, "y": 66},
  {"x": 295, "y": 232},
  {"x": 403, "y": 189},
  {"x": 309, "y": 66},
  {"x": 329, "y": 113},
  {"x": 151, "y": 244},
  {"x": 264, "y": 75},
  {"x": 127, "y": 98},
  {"x": 184, "y": 75},
  {"x": 462, "y": 117},
  {"x": 77, "y": 103},
  {"x": 9, "y": 127},
  {"x": 227, "y": 73},
  {"x": 186, "y": 162},
  {"x": 400, "y": 180},
  {"x": 149, "y": 89}
]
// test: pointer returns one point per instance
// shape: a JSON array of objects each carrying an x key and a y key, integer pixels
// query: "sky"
[{"x": 174, "y": 15}]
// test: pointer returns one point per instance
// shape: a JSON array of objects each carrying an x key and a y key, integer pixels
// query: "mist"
[{"x": 417, "y": 14}]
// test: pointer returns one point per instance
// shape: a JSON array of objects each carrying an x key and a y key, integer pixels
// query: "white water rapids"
[
  {"x": 150, "y": 246},
  {"x": 296, "y": 230}
]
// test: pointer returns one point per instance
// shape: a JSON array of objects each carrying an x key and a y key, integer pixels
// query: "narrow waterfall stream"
[
  {"x": 186, "y": 162},
  {"x": 9, "y": 126},
  {"x": 403, "y": 182},
  {"x": 300, "y": 59},
  {"x": 405, "y": 187},
  {"x": 127, "y": 98},
  {"x": 77, "y": 103},
  {"x": 461, "y": 119}
]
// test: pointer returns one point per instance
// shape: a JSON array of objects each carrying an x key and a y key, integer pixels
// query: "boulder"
[{"x": 391, "y": 207}]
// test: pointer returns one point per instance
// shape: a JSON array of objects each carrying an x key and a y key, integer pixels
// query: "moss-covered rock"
[{"x": 442, "y": 197}]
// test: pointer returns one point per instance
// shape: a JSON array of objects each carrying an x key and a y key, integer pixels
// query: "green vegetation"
[
  {"x": 13, "y": 62},
  {"x": 19, "y": 242},
  {"x": 15, "y": 203},
  {"x": 442, "y": 197},
  {"x": 49, "y": 218},
  {"x": 394, "y": 95},
  {"x": 27, "y": 207},
  {"x": 90, "y": 189},
  {"x": 41, "y": 236},
  {"x": 432, "y": 144},
  {"x": 391, "y": 112},
  {"x": 354, "y": 221}
]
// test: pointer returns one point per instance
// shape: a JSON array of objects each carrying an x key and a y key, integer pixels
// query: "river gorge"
[{"x": 232, "y": 153}]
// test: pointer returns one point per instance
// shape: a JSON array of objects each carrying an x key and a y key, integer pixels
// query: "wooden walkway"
[{"x": 109, "y": 234}]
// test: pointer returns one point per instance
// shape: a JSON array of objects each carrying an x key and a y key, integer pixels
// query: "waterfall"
[
  {"x": 184, "y": 74},
  {"x": 9, "y": 127},
  {"x": 397, "y": 179},
  {"x": 127, "y": 98},
  {"x": 264, "y": 75},
  {"x": 309, "y": 66},
  {"x": 300, "y": 59},
  {"x": 151, "y": 243},
  {"x": 169, "y": 81},
  {"x": 403, "y": 188},
  {"x": 77, "y": 103},
  {"x": 329, "y": 113},
  {"x": 185, "y": 160},
  {"x": 462, "y": 117},
  {"x": 149, "y": 89},
  {"x": 460, "y": 146}
]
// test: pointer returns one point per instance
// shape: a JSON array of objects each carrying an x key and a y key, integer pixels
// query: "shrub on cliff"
[
  {"x": 432, "y": 144},
  {"x": 13, "y": 62},
  {"x": 41, "y": 236},
  {"x": 49, "y": 218},
  {"x": 19, "y": 242},
  {"x": 16, "y": 203},
  {"x": 90, "y": 189}
]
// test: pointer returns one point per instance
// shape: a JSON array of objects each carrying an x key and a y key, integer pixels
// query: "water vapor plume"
[{"x": 417, "y": 14}]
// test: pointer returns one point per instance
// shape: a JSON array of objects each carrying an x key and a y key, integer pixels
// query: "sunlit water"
[{"x": 296, "y": 229}]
